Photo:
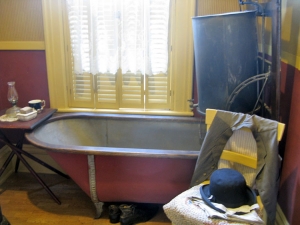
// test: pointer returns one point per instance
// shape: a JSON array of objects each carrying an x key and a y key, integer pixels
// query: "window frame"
[{"x": 181, "y": 60}]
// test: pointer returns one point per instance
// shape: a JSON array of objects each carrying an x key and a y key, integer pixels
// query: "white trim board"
[
  {"x": 22, "y": 45},
  {"x": 280, "y": 217}
]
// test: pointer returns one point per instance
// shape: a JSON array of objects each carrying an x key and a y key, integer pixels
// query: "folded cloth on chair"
[
  {"x": 230, "y": 214},
  {"x": 229, "y": 211},
  {"x": 189, "y": 208}
]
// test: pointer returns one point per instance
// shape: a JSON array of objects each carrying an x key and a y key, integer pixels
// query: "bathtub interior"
[{"x": 144, "y": 134}]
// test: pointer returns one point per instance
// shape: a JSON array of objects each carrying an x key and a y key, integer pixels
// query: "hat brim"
[{"x": 205, "y": 194}]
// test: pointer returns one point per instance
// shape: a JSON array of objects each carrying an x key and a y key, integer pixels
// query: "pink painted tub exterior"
[{"x": 148, "y": 159}]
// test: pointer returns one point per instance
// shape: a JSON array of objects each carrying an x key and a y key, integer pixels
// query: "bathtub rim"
[
  {"x": 72, "y": 115},
  {"x": 113, "y": 151}
]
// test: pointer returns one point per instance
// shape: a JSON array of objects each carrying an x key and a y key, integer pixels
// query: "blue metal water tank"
[{"x": 226, "y": 54}]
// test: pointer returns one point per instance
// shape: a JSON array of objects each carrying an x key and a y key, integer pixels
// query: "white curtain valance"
[{"x": 129, "y": 34}]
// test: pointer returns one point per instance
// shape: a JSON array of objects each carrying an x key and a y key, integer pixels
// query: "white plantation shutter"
[
  {"x": 82, "y": 89},
  {"x": 107, "y": 92},
  {"x": 158, "y": 92},
  {"x": 132, "y": 90},
  {"x": 81, "y": 81},
  {"x": 158, "y": 85},
  {"x": 120, "y": 53}
]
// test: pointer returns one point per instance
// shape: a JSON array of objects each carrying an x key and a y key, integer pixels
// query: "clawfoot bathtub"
[{"x": 123, "y": 158}]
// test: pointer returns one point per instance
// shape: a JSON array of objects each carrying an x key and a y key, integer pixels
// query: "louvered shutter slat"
[
  {"x": 106, "y": 91},
  {"x": 158, "y": 92}
]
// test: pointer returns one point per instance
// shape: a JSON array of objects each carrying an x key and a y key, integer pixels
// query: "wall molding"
[
  {"x": 286, "y": 57},
  {"x": 280, "y": 217},
  {"x": 22, "y": 45},
  {"x": 290, "y": 59},
  {"x": 42, "y": 155}
]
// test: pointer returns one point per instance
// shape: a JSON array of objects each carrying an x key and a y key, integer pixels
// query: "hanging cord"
[
  {"x": 260, "y": 10},
  {"x": 244, "y": 84},
  {"x": 258, "y": 97},
  {"x": 199, "y": 110}
]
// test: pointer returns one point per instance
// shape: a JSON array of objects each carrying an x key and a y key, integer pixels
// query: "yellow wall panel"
[
  {"x": 207, "y": 7},
  {"x": 290, "y": 35},
  {"x": 21, "y": 20}
]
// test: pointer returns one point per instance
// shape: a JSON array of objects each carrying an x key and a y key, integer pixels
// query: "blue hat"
[{"x": 227, "y": 187}]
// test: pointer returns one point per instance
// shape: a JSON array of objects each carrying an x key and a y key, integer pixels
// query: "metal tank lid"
[{"x": 225, "y": 14}]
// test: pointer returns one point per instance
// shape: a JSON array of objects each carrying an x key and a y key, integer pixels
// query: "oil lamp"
[{"x": 12, "y": 97}]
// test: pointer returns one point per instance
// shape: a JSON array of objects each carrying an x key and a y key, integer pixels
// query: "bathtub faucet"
[{"x": 192, "y": 105}]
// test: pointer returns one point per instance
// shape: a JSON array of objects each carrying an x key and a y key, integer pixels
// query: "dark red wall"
[
  {"x": 28, "y": 70},
  {"x": 289, "y": 194}
]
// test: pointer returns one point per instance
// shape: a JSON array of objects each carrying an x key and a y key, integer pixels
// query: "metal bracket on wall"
[{"x": 272, "y": 9}]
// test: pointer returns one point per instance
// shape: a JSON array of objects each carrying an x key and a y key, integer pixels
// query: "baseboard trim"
[
  {"x": 37, "y": 152},
  {"x": 280, "y": 217},
  {"x": 4, "y": 153},
  {"x": 42, "y": 155},
  {"x": 22, "y": 45}
]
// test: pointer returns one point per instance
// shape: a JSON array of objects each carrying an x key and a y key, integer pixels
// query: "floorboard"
[{"x": 24, "y": 202}]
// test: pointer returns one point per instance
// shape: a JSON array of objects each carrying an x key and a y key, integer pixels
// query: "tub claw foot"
[{"x": 99, "y": 209}]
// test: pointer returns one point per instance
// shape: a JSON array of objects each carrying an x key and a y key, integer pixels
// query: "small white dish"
[
  {"x": 27, "y": 117},
  {"x": 26, "y": 110}
]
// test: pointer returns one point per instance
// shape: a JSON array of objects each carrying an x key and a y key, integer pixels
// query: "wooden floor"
[{"x": 24, "y": 202}]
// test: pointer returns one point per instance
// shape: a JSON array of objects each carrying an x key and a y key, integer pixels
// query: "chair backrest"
[{"x": 234, "y": 156}]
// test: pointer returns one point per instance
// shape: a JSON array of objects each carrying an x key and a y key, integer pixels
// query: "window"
[
  {"x": 126, "y": 40},
  {"x": 119, "y": 78}
]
